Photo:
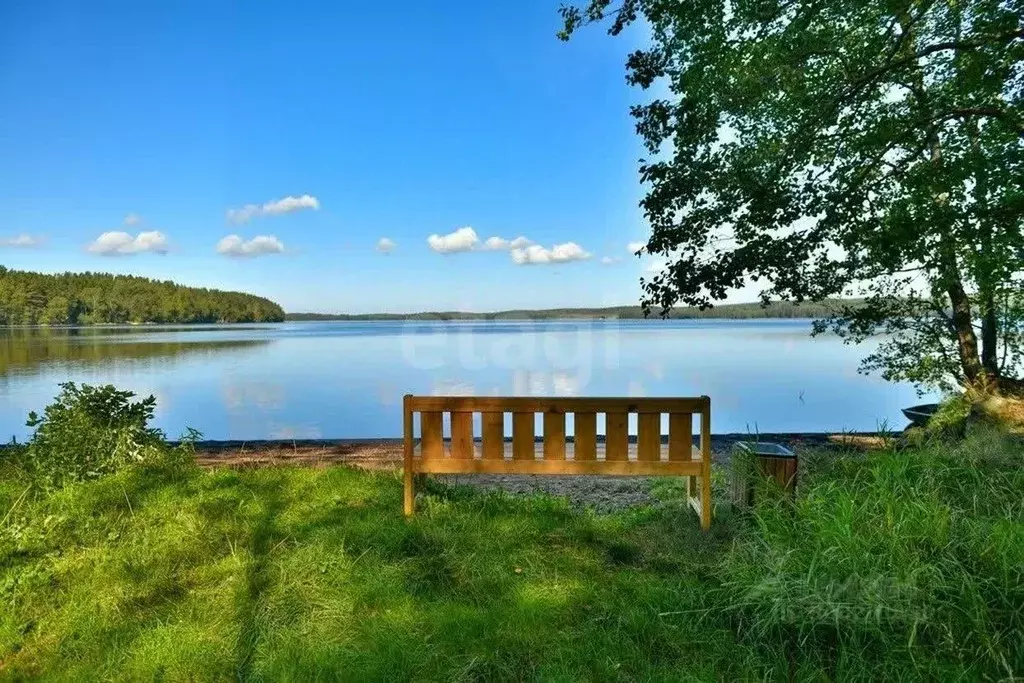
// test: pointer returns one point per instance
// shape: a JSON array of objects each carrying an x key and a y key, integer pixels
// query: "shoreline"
[
  {"x": 397, "y": 440},
  {"x": 600, "y": 492},
  {"x": 386, "y": 452}
]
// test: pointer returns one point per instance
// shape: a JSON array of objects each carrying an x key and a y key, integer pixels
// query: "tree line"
[
  {"x": 88, "y": 298},
  {"x": 777, "y": 309}
]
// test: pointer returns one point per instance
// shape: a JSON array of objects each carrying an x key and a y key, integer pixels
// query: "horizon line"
[{"x": 558, "y": 308}]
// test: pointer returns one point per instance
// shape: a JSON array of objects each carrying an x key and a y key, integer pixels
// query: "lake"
[{"x": 346, "y": 379}]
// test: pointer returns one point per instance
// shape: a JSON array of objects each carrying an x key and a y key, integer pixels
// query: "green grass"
[
  {"x": 897, "y": 566},
  {"x": 901, "y": 564}
]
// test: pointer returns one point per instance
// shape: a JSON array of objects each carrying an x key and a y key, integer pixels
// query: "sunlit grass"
[
  {"x": 891, "y": 565},
  {"x": 299, "y": 574}
]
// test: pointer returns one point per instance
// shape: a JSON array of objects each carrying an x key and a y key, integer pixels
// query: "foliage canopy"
[{"x": 826, "y": 149}]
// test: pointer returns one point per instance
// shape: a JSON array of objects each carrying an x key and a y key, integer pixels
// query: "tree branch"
[
  {"x": 990, "y": 112},
  {"x": 932, "y": 49}
]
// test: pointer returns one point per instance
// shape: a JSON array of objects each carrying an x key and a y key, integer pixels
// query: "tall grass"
[
  {"x": 892, "y": 566},
  {"x": 900, "y": 563}
]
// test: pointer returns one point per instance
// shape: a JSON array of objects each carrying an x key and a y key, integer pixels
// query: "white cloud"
[
  {"x": 560, "y": 253},
  {"x": 500, "y": 243},
  {"x": 634, "y": 247},
  {"x": 233, "y": 245},
  {"x": 655, "y": 266},
  {"x": 117, "y": 242},
  {"x": 290, "y": 204},
  {"x": 273, "y": 208},
  {"x": 608, "y": 260},
  {"x": 385, "y": 245},
  {"x": 463, "y": 239},
  {"x": 22, "y": 240},
  {"x": 132, "y": 219}
]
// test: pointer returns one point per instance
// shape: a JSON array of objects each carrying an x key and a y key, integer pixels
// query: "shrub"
[{"x": 89, "y": 431}]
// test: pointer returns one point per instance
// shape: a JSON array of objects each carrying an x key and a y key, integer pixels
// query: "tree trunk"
[
  {"x": 989, "y": 335},
  {"x": 967, "y": 341},
  {"x": 986, "y": 260},
  {"x": 949, "y": 270}
]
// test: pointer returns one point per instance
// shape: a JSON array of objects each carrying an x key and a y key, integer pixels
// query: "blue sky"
[{"x": 337, "y": 124}]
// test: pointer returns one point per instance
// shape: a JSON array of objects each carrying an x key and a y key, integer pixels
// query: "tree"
[
  {"x": 55, "y": 312},
  {"x": 842, "y": 148}
]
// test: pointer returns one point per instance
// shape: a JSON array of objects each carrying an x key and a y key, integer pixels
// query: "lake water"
[{"x": 346, "y": 379}]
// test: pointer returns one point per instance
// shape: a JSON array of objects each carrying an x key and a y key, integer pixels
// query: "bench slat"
[
  {"x": 680, "y": 436},
  {"x": 563, "y": 404},
  {"x": 462, "y": 435},
  {"x": 624, "y": 468},
  {"x": 584, "y": 436},
  {"x": 493, "y": 435},
  {"x": 431, "y": 435},
  {"x": 554, "y": 436},
  {"x": 616, "y": 436},
  {"x": 522, "y": 436},
  {"x": 648, "y": 437}
]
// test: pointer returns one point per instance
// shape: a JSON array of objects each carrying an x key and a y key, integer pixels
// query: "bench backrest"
[{"x": 468, "y": 448}]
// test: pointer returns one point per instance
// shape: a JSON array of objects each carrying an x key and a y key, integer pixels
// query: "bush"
[{"x": 89, "y": 431}]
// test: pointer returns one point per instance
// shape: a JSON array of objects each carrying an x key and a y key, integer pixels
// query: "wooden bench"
[{"x": 463, "y": 453}]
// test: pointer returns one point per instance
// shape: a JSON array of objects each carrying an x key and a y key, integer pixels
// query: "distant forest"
[
  {"x": 95, "y": 298},
  {"x": 732, "y": 311}
]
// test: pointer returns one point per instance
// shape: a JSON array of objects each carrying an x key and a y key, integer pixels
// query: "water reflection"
[
  {"x": 565, "y": 384},
  {"x": 296, "y": 432},
  {"x": 31, "y": 351},
  {"x": 656, "y": 370},
  {"x": 243, "y": 396},
  {"x": 547, "y": 383},
  {"x": 389, "y": 394},
  {"x": 449, "y": 387}
]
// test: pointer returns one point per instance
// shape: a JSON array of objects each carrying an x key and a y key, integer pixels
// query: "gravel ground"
[{"x": 602, "y": 493}]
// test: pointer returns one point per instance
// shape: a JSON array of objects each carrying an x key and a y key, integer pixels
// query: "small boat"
[{"x": 919, "y": 415}]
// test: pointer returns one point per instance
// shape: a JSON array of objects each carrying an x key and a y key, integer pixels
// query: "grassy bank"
[{"x": 893, "y": 565}]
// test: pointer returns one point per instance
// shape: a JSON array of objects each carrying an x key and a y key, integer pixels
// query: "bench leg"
[
  {"x": 705, "y": 501},
  {"x": 409, "y": 493},
  {"x": 409, "y": 489},
  {"x": 698, "y": 492}
]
